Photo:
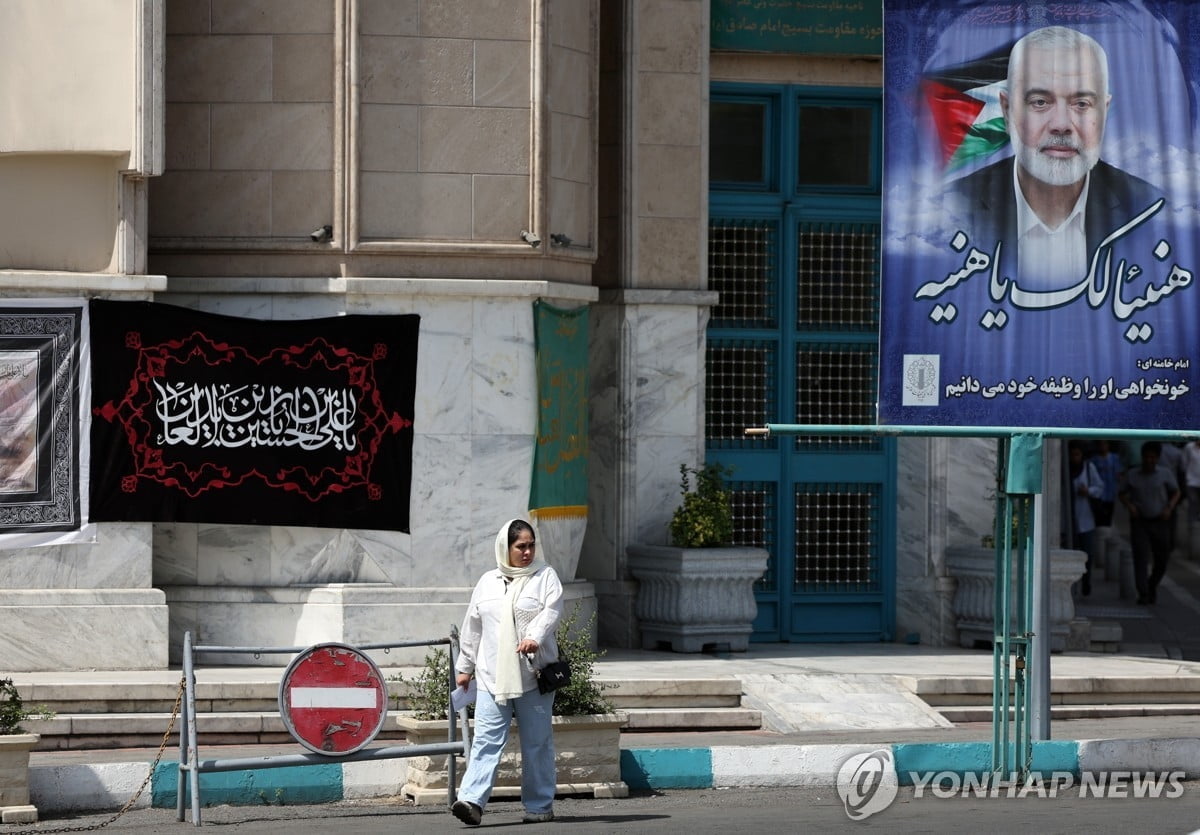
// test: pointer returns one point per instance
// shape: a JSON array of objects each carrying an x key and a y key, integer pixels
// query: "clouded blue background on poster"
[{"x": 970, "y": 355}]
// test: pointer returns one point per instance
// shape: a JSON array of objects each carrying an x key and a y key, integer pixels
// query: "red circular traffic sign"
[{"x": 333, "y": 699}]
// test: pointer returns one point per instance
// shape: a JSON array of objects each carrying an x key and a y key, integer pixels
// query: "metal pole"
[
  {"x": 1039, "y": 674},
  {"x": 181, "y": 771},
  {"x": 189, "y": 675}
]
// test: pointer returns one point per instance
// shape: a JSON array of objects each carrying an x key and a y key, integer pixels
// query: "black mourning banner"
[{"x": 204, "y": 418}]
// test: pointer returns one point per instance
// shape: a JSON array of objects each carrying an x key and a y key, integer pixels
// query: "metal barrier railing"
[{"x": 191, "y": 767}]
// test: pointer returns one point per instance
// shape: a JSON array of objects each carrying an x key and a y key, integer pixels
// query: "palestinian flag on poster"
[{"x": 964, "y": 101}]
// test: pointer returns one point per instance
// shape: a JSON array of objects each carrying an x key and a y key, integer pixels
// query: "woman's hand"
[
  {"x": 462, "y": 679},
  {"x": 527, "y": 645}
]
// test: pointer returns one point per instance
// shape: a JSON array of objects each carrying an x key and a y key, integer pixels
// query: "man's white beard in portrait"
[{"x": 1055, "y": 171}]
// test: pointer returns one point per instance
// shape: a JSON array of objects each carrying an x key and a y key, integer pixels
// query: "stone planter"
[
  {"x": 694, "y": 597},
  {"x": 587, "y": 753},
  {"x": 974, "y": 599},
  {"x": 14, "y": 778}
]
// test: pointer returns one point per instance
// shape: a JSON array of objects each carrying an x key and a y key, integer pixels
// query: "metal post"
[
  {"x": 189, "y": 676},
  {"x": 181, "y": 771},
  {"x": 1040, "y": 666}
]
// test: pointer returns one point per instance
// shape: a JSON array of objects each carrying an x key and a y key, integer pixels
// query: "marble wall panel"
[
  {"x": 570, "y": 81},
  {"x": 657, "y": 487},
  {"x": 187, "y": 17},
  {"x": 393, "y": 552},
  {"x": 272, "y": 16},
  {"x": 440, "y": 515},
  {"x": 225, "y": 68},
  {"x": 501, "y": 469},
  {"x": 176, "y": 554},
  {"x": 387, "y": 137},
  {"x": 302, "y": 67},
  {"x": 188, "y": 137},
  {"x": 571, "y": 151},
  {"x": 301, "y": 201},
  {"x": 571, "y": 25},
  {"x": 211, "y": 204},
  {"x": 119, "y": 558},
  {"x": 678, "y": 111},
  {"x": 502, "y": 74},
  {"x": 503, "y": 378},
  {"x": 668, "y": 372},
  {"x": 233, "y": 555},
  {"x": 483, "y": 19},
  {"x": 670, "y": 35},
  {"x": 415, "y": 71},
  {"x": 663, "y": 167},
  {"x": 669, "y": 252},
  {"x": 501, "y": 205},
  {"x": 970, "y": 489},
  {"x": 277, "y": 136},
  {"x": 474, "y": 140},
  {"x": 388, "y": 17},
  {"x": 59, "y": 630},
  {"x": 571, "y": 209},
  {"x": 436, "y": 206}
]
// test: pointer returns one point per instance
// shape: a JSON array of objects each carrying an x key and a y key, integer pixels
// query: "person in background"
[
  {"x": 1108, "y": 467},
  {"x": 1191, "y": 475},
  {"x": 1150, "y": 494},
  {"x": 513, "y": 612},
  {"x": 1086, "y": 487}
]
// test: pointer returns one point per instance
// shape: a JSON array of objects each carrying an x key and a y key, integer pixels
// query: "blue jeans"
[{"x": 538, "y": 776}]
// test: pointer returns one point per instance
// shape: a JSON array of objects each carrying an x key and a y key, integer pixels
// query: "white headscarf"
[{"x": 508, "y": 665}]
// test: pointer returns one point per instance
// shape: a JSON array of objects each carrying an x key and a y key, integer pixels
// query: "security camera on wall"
[
  {"x": 325, "y": 233},
  {"x": 530, "y": 238}
]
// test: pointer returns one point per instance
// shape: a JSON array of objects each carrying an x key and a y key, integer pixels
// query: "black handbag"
[{"x": 554, "y": 675}]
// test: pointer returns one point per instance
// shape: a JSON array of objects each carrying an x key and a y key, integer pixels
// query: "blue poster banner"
[{"x": 1041, "y": 214}]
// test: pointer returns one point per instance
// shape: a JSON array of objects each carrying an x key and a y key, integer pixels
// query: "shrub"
[
  {"x": 13, "y": 710},
  {"x": 705, "y": 518},
  {"x": 429, "y": 696}
]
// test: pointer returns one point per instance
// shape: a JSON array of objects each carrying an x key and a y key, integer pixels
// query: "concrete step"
[
  {"x": 976, "y": 691},
  {"x": 962, "y": 714},
  {"x": 82, "y": 731}
]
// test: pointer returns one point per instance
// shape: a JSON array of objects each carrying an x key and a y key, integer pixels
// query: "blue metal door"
[{"x": 794, "y": 340}]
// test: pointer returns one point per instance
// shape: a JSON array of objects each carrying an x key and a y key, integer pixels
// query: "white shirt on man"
[{"x": 1050, "y": 259}]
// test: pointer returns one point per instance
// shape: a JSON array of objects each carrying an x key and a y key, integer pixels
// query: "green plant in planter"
[
  {"x": 705, "y": 518},
  {"x": 429, "y": 697},
  {"x": 13, "y": 711}
]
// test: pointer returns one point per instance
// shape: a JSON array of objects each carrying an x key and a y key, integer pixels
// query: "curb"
[{"x": 107, "y": 787}]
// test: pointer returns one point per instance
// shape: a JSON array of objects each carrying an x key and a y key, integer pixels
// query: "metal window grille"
[
  {"x": 739, "y": 391},
  {"x": 754, "y": 523},
  {"x": 742, "y": 269},
  {"x": 837, "y": 538},
  {"x": 837, "y": 276},
  {"x": 835, "y": 383}
]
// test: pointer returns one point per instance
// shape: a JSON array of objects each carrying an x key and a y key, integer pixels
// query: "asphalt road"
[{"x": 697, "y": 812}]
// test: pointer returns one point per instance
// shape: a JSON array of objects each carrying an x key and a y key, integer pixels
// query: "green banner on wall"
[
  {"x": 814, "y": 27},
  {"x": 559, "y": 488}
]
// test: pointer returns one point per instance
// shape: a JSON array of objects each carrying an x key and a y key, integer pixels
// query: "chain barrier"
[{"x": 129, "y": 804}]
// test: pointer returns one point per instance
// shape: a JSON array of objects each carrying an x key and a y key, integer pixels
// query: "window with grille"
[
  {"x": 837, "y": 538},
  {"x": 754, "y": 522},
  {"x": 835, "y": 384},
  {"x": 742, "y": 269},
  {"x": 740, "y": 383},
  {"x": 837, "y": 271}
]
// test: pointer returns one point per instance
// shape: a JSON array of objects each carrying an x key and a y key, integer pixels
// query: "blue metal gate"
[{"x": 794, "y": 337}]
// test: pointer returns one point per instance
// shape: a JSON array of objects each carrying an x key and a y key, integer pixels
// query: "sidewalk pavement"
[
  {"x": 823, "y": 704},
  {"x": 808, "y": 754}
]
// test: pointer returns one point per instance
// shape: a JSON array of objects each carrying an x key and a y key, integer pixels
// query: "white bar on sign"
[{"x": 334, "y": 697}]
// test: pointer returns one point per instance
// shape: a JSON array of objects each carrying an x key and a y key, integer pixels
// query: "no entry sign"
[{"x": 332, "y": 699}]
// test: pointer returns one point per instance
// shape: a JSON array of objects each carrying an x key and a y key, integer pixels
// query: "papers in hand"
[{"x": 460, "y": 697}]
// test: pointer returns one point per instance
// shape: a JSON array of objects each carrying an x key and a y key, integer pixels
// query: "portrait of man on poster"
[{"x": 1052, "y": 202}]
